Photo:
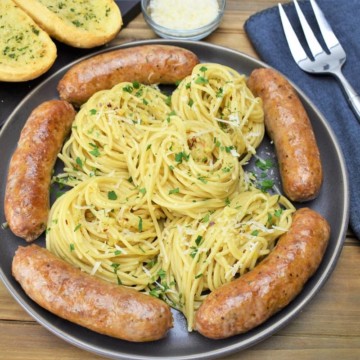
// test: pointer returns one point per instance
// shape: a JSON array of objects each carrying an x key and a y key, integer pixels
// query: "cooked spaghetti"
[
  {"x": 218, "y": 94},
  {"x": 201, "y": 255},
  {"x": 110, "y": 124},
  {"x": 160, "y": 201},
  {"x": 103, "y": 227},
  {"x": 188, "y": 167}
]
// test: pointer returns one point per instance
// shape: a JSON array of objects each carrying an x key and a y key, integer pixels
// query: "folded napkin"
[{"x": 266, "y": 34}]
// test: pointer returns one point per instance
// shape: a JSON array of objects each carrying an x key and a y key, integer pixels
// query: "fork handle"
[{"x": 353, "y": 97}]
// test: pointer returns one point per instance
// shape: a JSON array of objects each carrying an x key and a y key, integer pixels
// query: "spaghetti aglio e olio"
[
  {"x": 160, "y": 201},
  {"x": 219, "y": 95},
  {"x": 201, "y": 255},
  {"x": 187, "y": 168},
  {"x": 103, "y": 227},
  {"x": 108, "y": 125}
]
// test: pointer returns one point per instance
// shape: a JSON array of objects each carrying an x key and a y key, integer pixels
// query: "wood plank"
[
  {"x": 21, "y": 340},
  {"x": 38, "y": 343},
  {"x": 331, "y": 320}
]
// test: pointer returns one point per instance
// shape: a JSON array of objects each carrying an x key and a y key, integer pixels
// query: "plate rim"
[{"x": 259, "y": 336}]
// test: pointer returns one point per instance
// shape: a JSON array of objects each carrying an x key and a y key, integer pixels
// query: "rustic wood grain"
[{"x": 328, "y": 328}]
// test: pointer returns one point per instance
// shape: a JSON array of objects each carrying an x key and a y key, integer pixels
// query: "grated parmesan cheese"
[
  {"x": 95, "y": 268},
  {"x": 183, "y": 14}
]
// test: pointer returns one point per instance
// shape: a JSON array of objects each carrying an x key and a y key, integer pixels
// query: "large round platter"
[{"x": 332, "y": 203}]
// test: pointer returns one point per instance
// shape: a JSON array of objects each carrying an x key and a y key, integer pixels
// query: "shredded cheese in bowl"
[{"x": 183, "y": 14}]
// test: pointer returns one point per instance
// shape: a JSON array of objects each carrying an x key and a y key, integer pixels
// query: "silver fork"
[{"x": 323, "y": 62}]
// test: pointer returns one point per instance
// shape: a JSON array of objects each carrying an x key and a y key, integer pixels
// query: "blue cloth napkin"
[{"x": 265, "y": 31}]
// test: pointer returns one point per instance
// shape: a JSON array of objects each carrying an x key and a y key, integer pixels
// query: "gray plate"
[{"x": 332, "y": 203}]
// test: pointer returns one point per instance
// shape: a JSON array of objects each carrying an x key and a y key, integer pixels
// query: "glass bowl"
[{"x": 183, "y": 34}]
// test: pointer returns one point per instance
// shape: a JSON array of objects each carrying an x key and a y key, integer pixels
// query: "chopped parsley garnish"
[
  {"x": 95, "y": 150},
  {"x": 79, "y": 162},
  {"x": 174, "y": 191},
  {"x": 264, "y": 164},
  {"x": 77, "y": 23},
  {"x": 115, "y": 266},
  {"x": 112, "y": 195},
  {"x": 220, "y": 92},
  {"x": 206, "y": 218},
  {"x": 198, "y": 240},
  {"x": 278, "y": 212},
  {"x": 201, "y": 80},
  {"x": 139, "y": 93},
  {"x": 194, "y": 251},
  {"x": 161, "y": 273},
  {"x": 136, "y": 84},
  {"x": 140, "y": 224},
  {"x": 35, "y": 31},
  {"x": 155, "y": 292},
  {"x": 202, "y": 179},
  {"x": 266, "y": 184},
  {"x": 128, "y": 88},
  {"x": 229, "y": 148},
  {"x": 169, "y": 116},
  {"x": 179, "y": 157}
]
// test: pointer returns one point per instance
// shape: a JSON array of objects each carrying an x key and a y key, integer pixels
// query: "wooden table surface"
[{"x": 328, "y": 328}]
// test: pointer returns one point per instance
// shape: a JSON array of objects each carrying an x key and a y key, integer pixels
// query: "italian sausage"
[
  {"x": 27, "y": 198},
  {"x": 147, "y": 64},
  {"x": 88, "y": 301},
  {"x": 248, "y": 301},
  {"x": 288, "y": 125}
]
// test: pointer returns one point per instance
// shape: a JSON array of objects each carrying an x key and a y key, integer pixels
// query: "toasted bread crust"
[
  {"x": 26, "y": 50},
  {"x": 80, "y": 24}
]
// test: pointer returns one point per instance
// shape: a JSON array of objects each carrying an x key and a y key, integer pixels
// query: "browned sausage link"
[
  {"x": 288, "y": 125},
  {"x": 29, "y": 175},
  {"x": 88, "y": 301},
  {"x": 148, "y": 64},
  {"x": 248, "y": 301}
]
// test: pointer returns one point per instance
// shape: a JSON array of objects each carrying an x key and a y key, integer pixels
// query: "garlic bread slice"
[
  {"x": 26, "y": 51},
  {"x": 80, "y": 23}
]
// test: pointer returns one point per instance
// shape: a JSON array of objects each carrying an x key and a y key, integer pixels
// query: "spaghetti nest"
[
  {"x": 103, "y": 227},
  {"x": 201, "y": 255},
  {"x": 160, "y": 201},
  {"x": 187, "y": 168},
  {"x": 218, "y": 95},
  {"x": 110, "y": 124}
]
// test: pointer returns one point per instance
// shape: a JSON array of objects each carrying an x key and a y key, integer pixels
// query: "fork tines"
[
  {"x": 323, "y": 62},
  {"x": 316, "y": 49}
]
